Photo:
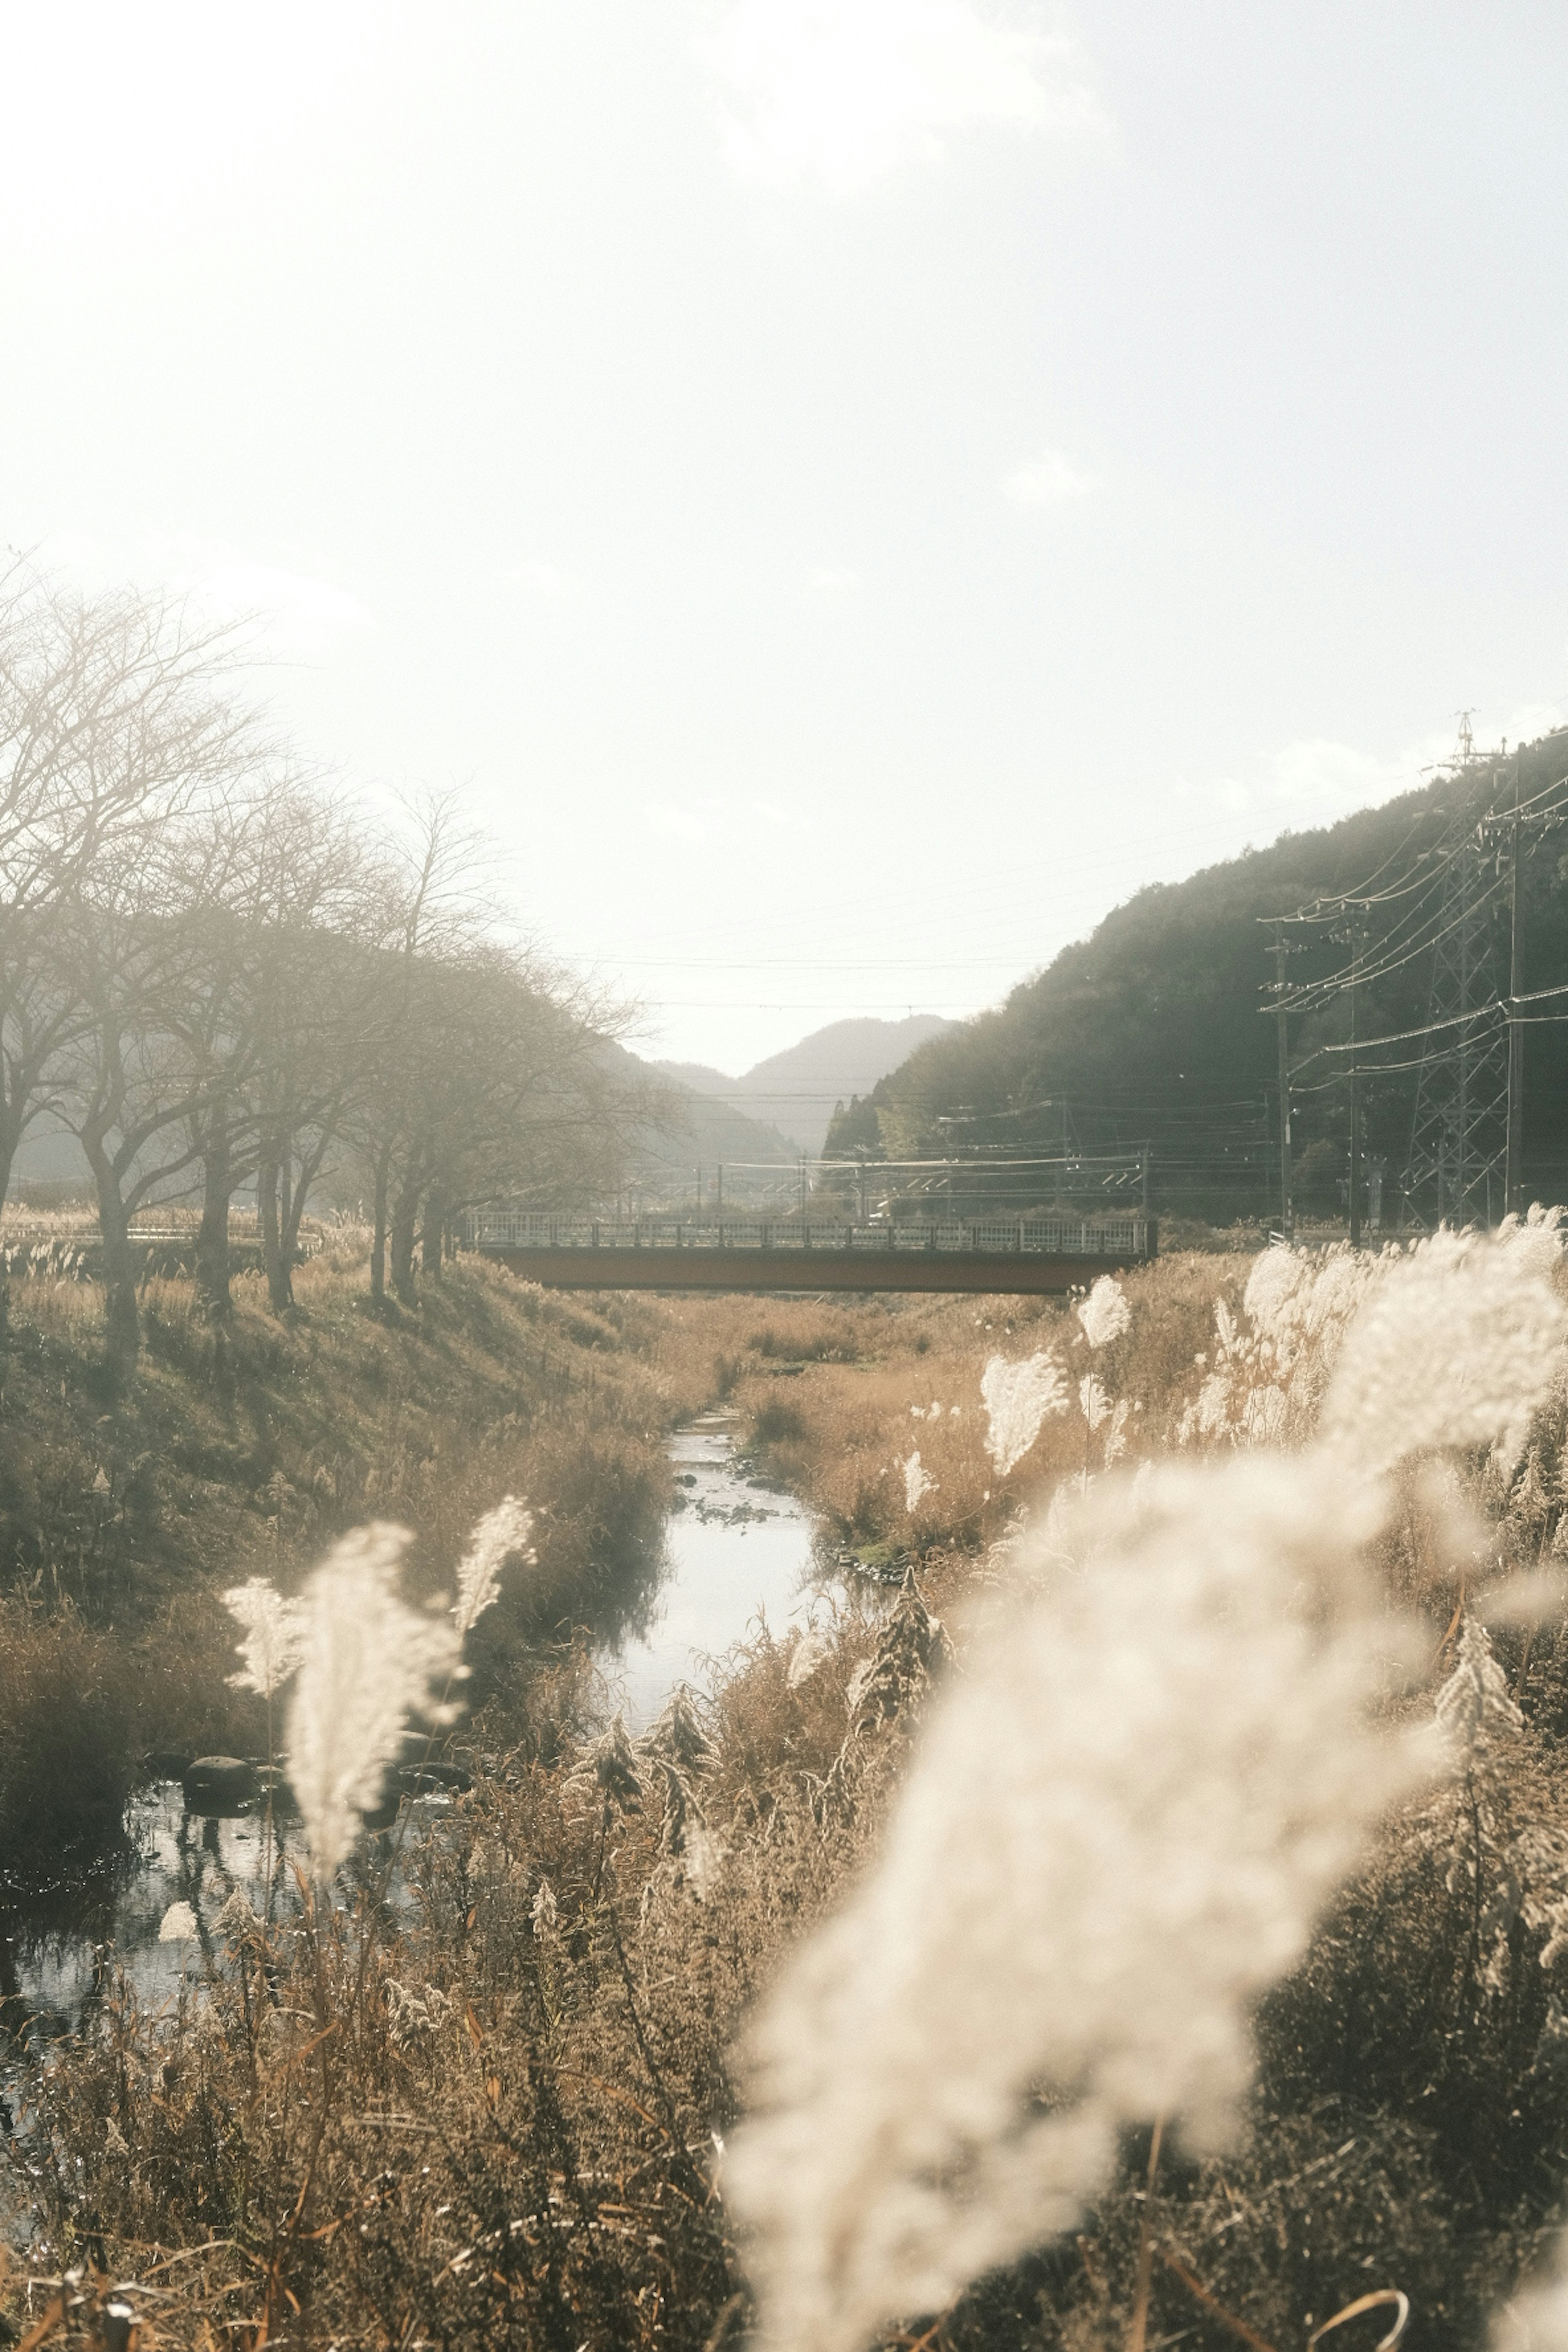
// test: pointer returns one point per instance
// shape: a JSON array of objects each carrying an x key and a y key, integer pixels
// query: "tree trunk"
[
  {"x": 435, "y": 1232},
  {"x": 211, "y": 1239},
  {"x": 122, "y": 1319},
  {"x": 294, "y": 1203},
  {"x": 378, "y": 1242},
  {"x": 11, "y": 1129},
  {"x": 275, "y": 1252},
  {"x": 404, "y": 1226}
]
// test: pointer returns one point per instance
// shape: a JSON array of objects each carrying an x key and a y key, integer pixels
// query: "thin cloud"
[
  {"x": 826, "y": 584},
  {"x": 1049, "y": 480},
  {"x": 840, "y": 92},
  {"x": 535, "y": 583},
  {"x": 719, "y": 821},
  {"x": 118, "y": 115},
  {"x": 1318, "y": 776},
  {"x": 297, "y": 610}
]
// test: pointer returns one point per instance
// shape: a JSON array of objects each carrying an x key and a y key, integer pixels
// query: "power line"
[{"x": 1403, "y": 1036}]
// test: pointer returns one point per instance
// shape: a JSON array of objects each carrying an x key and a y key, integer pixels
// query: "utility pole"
[
  {"x": 1513, "y": 1165},
  {"x": 1279, "y": 951},
  {"x": 1357, "y": 940}
]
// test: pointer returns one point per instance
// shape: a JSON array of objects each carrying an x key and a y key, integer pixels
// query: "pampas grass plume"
[
  {"x": 371, "y": 1662},
  {"x": 1018, "y": 1398},
  {"x": 1118, "y": 1830},
  {"x": 1161, "y": 1761},
  {"x": 917, "y": 1481},
  {"x": 1480, "y": 1316},
  {"x": 501, "y": 1535},
  {"x": 1104, "y": 1314},
  {"x": 274, "y": 1636}
]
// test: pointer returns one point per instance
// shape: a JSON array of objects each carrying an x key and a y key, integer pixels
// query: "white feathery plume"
[
  {"x": 370, "y": 1662},
  {"x": 917, "y": 1481},
  {"x": 274, "y": 1635},
  {"x": 1104, "y": 1314},
  {"x": 1537, "y": 2318},
  {"x": 1093, "y": 1402},
  {"x": 1161, "y": 1763},
  {"x": 501, "y": 1535},
  {"x": 178, "y": 1924},
  {"x": 1270, "y": 1368},
  {"x": 1299, "y": 1302},
  {"x": 813, "y": 1650},
  {"x": 1119, "y": 1827},
  {"x": 237, "y": 1919},
  {"x": 1018, "y": 1398},
  {"x": 1459, "y": 1343},
  {"x": 1474, "y": 1707}
]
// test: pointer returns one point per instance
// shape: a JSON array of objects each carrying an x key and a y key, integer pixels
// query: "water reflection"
[
  {"x": 59, "y": 1944},
  {"x": 736, "y": 1553}
]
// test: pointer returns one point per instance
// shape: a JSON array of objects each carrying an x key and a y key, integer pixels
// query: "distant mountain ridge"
[
  {"x": 796, "y": 1091},
  {"x": 1156, "y": 1029}
]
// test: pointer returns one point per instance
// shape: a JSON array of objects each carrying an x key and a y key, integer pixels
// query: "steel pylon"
[{"x": 1458, "y": 1138}]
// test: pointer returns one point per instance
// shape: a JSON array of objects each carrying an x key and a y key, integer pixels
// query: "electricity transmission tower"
[{"x": 1459, "y": 1136}]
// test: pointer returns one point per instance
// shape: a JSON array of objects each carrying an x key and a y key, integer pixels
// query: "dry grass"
[
  {"x": 494, "y": 2123},
  {"x": 827, "y": 1395},
  {"x": 535, "y": 2163},
  {"x": 125, "y": 1511}
]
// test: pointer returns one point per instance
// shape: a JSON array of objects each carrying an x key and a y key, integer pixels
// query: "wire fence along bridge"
[{"x": 1038, "y": 1254}]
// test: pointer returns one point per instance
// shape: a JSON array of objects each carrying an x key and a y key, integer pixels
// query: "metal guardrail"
[{"x": 1053, "y": 1237}]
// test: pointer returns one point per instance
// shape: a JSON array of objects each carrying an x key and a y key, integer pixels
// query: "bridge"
[{"x": 1021, "y": 1254}]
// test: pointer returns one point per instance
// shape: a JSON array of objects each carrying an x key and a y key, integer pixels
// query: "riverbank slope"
[{"x": 127, "y": 1508}]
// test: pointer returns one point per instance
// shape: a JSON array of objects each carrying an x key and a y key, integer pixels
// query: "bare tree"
[
  {"x": 110, "y": 720},
  {"x": 274, "y": 897},
  {"x": 507, "y": 1094},
  {"x": 130, "y": 1092},
  {"x": 485, "y": 1074},
  {"x": 314, "y": 1007}
]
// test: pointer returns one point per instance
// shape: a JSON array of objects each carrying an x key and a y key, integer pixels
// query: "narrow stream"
[
  {"x": 735, "y": 1554},
  {"x": 738, "y": 1554}
]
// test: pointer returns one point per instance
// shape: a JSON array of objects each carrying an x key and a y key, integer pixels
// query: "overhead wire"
[
  {"x": 1551, "y": 799},
  {"x": 1316, "y": 993},
  {"x": 1336, "y": 901},
  {"x": 1406, "y": 938}
]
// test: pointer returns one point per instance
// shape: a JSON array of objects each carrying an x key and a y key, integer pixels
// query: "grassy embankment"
[
  {"x": 833, "y": 1399},
  {"x": 126, "y": 1510},
  {"x": 497, "y": 2125}
]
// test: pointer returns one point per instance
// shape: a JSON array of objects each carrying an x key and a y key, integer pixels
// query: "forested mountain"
[
  {"x": 797, "y": 1091},
  {"x": 686, "y": 1134},
  {"x": 1157, "y": 1028}
]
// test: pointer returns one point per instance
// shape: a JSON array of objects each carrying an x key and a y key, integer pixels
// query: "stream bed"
[{"x": 736, "y": 1554}]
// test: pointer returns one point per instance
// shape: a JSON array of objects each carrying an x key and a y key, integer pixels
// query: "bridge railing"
[{"x": 510, "y": 1230}]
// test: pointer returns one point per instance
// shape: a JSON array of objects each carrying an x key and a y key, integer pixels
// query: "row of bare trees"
[{"x": 227, "y": 983}]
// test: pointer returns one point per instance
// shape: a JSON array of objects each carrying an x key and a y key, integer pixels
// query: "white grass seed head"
[
  {"x": 1104, "y": 1314},
  {"x": 274, "y": 1635},
  {"x": 501, "y": 1535},
  {"x": 371, "y": 1662},
  {"x": 1018, "y": 1399},
  {"x": 1117, "y": 1831}
]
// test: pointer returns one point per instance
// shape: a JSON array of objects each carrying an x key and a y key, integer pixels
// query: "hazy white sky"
[{"x": 853, "y": 488}]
